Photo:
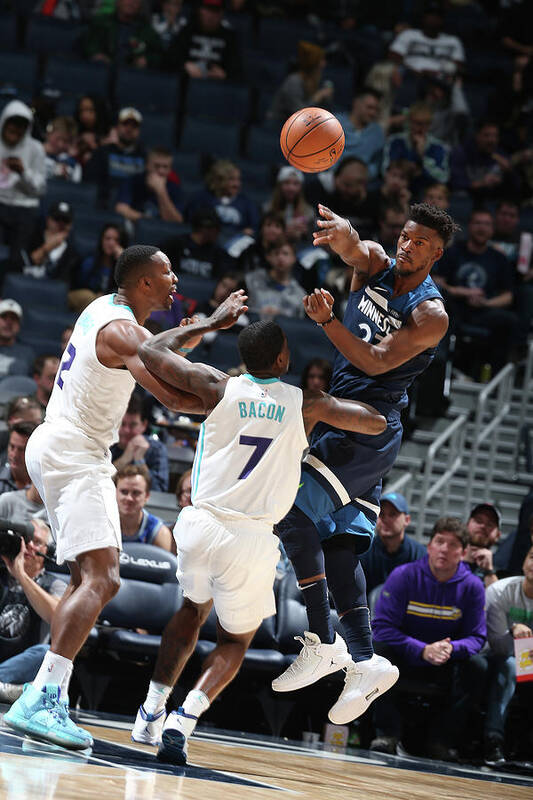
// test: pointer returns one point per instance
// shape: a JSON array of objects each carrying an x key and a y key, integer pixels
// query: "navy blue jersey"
[{"x": 371, "y": 314}]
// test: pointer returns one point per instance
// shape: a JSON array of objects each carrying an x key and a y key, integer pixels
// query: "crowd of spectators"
[{"x": 430, "y": 114}]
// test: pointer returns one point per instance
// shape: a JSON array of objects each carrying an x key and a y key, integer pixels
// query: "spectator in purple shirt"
[{"x": 430, "y": 622}]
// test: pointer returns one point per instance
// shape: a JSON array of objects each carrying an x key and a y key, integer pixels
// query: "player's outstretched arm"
[
  {"x": 426, "y": 326},
  {"x": 367, "y": 258},
  {"x": 117, "y": 346},
  {"x": 159, "y": 353},
  {"x": 349, "y": 415}
]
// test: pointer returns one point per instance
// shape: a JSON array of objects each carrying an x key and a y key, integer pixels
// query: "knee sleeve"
[
  {"x": 344, "y": 573},
  {"x": 301, "y": 542}
]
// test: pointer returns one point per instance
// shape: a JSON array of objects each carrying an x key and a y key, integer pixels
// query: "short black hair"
[
  {"x": 136, "y": 406},
  {"x": 346, "y": 162},
  {"x": 260, "y": 344},
  {"x": 131, "y": 260},
  {"x": 451, "y": 525},
  {"x": 22, "y": 428},
  {"x": 368, "y": 90},
  {"x": 435, "y": 218}
]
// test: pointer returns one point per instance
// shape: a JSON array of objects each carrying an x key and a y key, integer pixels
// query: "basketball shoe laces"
[{"x": 298, "y": 665}]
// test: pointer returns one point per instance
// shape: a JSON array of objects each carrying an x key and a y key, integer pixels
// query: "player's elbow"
[{"x": 378, "y": 423}]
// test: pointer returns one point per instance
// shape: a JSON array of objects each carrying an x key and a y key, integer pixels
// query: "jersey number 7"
[{"x": 261, "y": 444}]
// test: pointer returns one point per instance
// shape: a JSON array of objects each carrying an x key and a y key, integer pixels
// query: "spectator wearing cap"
[
  {"x": 428, "y": 50},
  {"x": 430, "y": 622},
  {"x": 428, "y": 156},
  {"x": 392, "y": 546},
  {"x": 125, "y": 157},
  {"x": 133, "y": 484},
  {"x": 483, "y": 528},
  {"x": 236, "y": 211},
  {"x": 509, "y": 609},
  {"x": 51, "y": 252},
  {"x": 44, "y": 375},
  {"x": 156, "y": 193},
  {"x": 22, "y": 175},
  {"x": 15, "y": 358},
  {"x": 124, "y": 36},
  {"x": 288, "y": 199},
  {"x": 364, "y": 136},
  {"x": 60, "y": 139},
  {"x": 198, "y": 253},
  {"x": 304, "y": 87},
  {"x": 13, "y": 474},
  {"x": 207, "y": 46}
]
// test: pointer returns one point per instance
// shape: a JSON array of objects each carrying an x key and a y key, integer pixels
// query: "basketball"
[{"x": 312, "y": 139}]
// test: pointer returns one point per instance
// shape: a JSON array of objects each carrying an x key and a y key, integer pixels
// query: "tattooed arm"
[{"x": 349, "y": 415}]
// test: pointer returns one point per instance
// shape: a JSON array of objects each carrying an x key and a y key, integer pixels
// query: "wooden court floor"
[{"x": 228, "y": 766}]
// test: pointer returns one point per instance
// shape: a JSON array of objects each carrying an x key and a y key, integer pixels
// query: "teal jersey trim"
[
  {"x": 112, "y": 303},
  {"x": 260, "y": 380},
  {"x": 197, "y": 462}
]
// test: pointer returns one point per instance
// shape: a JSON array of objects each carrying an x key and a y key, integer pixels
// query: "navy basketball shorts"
[{"x": 341, "y": 480}]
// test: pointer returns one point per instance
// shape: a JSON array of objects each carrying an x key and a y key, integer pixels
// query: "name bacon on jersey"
[{"x": 262, "y": 410}]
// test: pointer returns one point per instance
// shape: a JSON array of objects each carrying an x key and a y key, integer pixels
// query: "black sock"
[
  {"x": 317, "y": 603},
  {"x": 355, "y": 626}
]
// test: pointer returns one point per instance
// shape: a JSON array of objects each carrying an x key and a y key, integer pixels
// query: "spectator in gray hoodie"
[{"x": 22, "y": 175}]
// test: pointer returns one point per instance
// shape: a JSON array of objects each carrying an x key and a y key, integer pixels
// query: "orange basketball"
[{"x": 312, "y": 140}]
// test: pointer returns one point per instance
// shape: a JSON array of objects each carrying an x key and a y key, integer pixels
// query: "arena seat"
[
  {"x": 200, "y": 289},
  {"x": 48, "y": 324},
  {"x": 18, "y": 70},
  {"x": 48, "y": 35},
  {"x": 78, "y": 195},
  {"x": 219, "y": 141},
  {"x": 8, "y": 32},
  {"x": 223, "y": 352},
  {"x": 157, "y": 231},
  {"x": 148, "y": 91},
  {"x": 42, "y": 346},
  {"x": 159, "y": 130},
  {"x": 36, "y": 292},
  {"x": 263, "y": 145},
  {"x": 217, "y": 100},
  {"x": 73, "y": 77},
  {"x": 306, "y": 341},
  {"x": 277, "y": 35},
  {"x": 13, "y": 385}
]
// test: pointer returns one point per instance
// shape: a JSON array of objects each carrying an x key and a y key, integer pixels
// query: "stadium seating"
[
  {"x": 18, "y": 74},
  {"x": 156, "y": 231},
  {"x": 72, "y": 77},
  {"x": 263, "y": 145},
  {"x": 148, "y": 91},
  {"x": 78, "y": 195},
  {"x": 219, "y": 141},
  {"x": 35, "y": 292},
  {"x": 219, "y": 101},
  {"x": 200, "y": 289},
  {"x": 47, "y": 324},
  {"x": 45, "y": 35},
  {"x": 13, "y": 385},
  {"x": 306, "y": 341}
]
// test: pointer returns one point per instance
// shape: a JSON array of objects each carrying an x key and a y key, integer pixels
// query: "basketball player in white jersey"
[
  {"x": 245, "y": 477},
  {"x": 69, "y": 462}
]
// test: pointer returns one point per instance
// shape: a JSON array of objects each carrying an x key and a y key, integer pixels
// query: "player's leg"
[
  {"x": 218, "y": 669},
  {"x": 177, "y": 645},
  {"x": 369, "y": 675},
  {"x": 42, "y": 710}
]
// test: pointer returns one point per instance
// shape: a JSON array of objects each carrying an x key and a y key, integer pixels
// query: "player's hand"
[
  {"x": 194, "y": 341},
  {"x": 521, "y": 631},
  {"x": 334, "y": 231},
  {"x": 229, "y": 310},
  {"x": 438, "y": 653},
  {"x": 318, "y": 305}
]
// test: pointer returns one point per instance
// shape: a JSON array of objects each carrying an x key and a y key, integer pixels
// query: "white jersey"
[
  {"x": 247, "y": 462},
  {"x": 91, "y": 396}
]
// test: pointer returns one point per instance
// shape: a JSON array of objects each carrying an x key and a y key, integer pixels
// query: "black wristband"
[
  {"x": 487, "y": 572},
  {"x": 323, "y": 324}
]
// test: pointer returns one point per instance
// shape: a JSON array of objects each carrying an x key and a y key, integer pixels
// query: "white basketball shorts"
[
  {"x": 232, "y": 562},
  {"x": 73, "y": 475}
]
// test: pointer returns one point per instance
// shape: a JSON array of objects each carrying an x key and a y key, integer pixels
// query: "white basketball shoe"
[
  {"x": 148, "y": 727},
  {"x": 364, "y": 682},
  {"x": 314, "y": 661}
]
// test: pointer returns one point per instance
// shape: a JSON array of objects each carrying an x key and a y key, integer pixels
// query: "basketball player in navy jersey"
[{"x": 394, "y": 320}]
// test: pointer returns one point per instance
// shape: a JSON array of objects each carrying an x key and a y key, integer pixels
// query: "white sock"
[
  {"x": 156, "y": 699},
  {"x": 194, "y": 706},
  {"x": 65, "y": 683},
  {"x": 53, "y": 670}
]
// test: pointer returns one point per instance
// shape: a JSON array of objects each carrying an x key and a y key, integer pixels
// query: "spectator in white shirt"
[{"x": 429, "y": 50}]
